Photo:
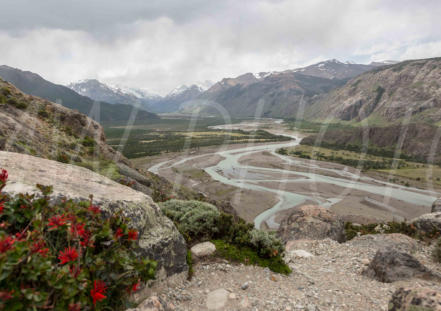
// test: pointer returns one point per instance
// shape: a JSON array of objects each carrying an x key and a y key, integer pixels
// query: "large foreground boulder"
[
  {"x": 158, "y": 237},
  {"x": 415, "y": 299},
  {"x": 390, "y": 265},
  {"x": 312, "y": 222},
  {"x": 429, "y": 224}
]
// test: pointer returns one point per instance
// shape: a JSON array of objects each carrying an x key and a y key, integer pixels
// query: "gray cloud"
[{"x": 158, "y": 45}]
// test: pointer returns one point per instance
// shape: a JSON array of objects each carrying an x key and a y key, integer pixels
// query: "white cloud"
[{"x": 158, "y": 46}]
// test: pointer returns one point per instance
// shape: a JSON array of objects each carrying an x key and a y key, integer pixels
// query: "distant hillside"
[
  {"x": 34, "y": 84},
  {"x": 280, "y": 92},
  {"x": 386, "y": 95},
  {"x": 399, "y": 103}
]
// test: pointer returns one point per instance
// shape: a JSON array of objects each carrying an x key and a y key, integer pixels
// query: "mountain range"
[
  {"x": 279, "y": 93},
  {"x": 138, "y": 97}
]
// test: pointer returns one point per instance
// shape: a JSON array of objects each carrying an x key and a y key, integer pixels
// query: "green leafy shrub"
[
  {"x": 200, "y": 221},
  {"x": 17, "y": 104},
  {"x": 63, "y": 157},
  {"x": 88, "y": 142},
  {"x": 66, "y": 255},
  {"x": 436, "y": 253},
  {"x": 194, "y": 219},
  {"x": 6, "y": 91},
  {"x": 267, "y": 244},
  {"x": 42, "y": 112}
]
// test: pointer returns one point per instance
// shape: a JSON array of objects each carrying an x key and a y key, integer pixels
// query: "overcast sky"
[{"x": 158, "y": 45}]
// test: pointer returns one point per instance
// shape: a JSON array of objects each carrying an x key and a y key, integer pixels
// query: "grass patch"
[
  {"x": 175, "y": 135},
  {"x": 248, "y": 256},
  {"x": 102, "y": 167},
  {"x": 350, "y": 158}
]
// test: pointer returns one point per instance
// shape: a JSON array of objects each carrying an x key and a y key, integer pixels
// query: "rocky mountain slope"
[
  {"x": 399, "y": 103},
  {"x": 388, "y": 94},
  {"x": 279, "y": 93},
  {"x": 34, "y": 84}
]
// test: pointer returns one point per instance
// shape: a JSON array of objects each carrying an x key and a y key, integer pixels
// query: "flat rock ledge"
[{"x": 158, "y": 237}]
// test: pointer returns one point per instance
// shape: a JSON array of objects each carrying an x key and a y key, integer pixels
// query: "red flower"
[
  {"x": 86, "y": 239},
  {"x": 132, "y": 235},
  {"x": 21, "y": 236},
  {"x": 75, "y": 307},
  {"x": 135, "y": 287},
  {"x": 5, "y": 295},
  {"x": 77, "y": 230},
  {"x": 69, "y": 254},
  {"x": 119, "y": 233},
  {"x": 98, "y": 291},
  {"x": 75, "y": 271},
  {"x": 2, "y": 206},
  {"x": 57, "y": 221},
  {"x": 94, "y": 209},
  {"x": 6, "y": 244},
  {"x": 3, "y": 176},
  {"x": 39, "y": 247}
]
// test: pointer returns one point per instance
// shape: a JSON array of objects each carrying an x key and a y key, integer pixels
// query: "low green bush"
[
  {"x": 195, "y": 220},
  {"x": 266, "y": 243},
  {"x": 17, "y": 104},
  {"x": 63, "y": 157},
  {"x": 389, "y": 227},
  {"x": 66, "y": 255}
]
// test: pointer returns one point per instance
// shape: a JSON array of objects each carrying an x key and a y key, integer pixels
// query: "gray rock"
[
  {"x": 428, "y": 223},
  {"x": 245, "y": 286},
  {"x": 436, "y": 206},
  {"x": 390, "y": 265},
  {"x": 217, "y": 299},
  {"x": 158, "y": 237},
  {"x": 312, "y": 222},
  {"x": 203, "y": 250},
  {"x": 396, "y": 241},
  {"x": 415, "y": 299},
  {"x": 153, "y": 303}
]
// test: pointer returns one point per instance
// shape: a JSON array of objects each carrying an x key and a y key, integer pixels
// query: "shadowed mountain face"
[{"x": 34, "y": 84}]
